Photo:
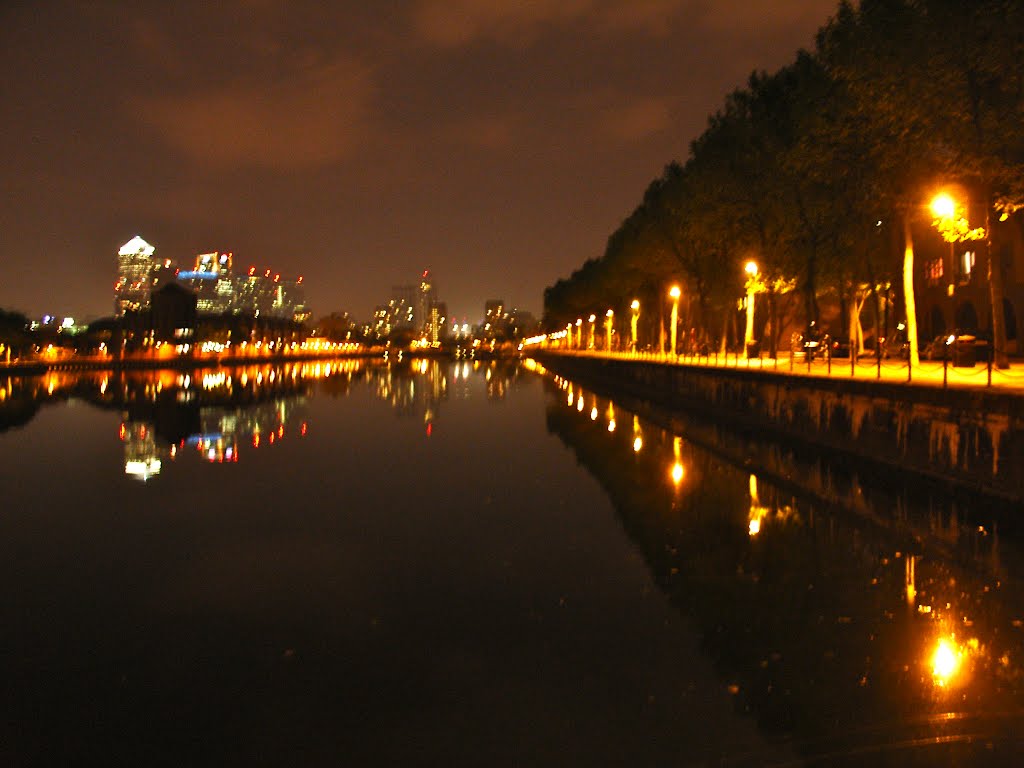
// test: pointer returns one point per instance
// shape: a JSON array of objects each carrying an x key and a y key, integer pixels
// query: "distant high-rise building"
[
  {"x": 134, "y": 276},
  {"x": 266, "y": 294},
  {"x": 438, "y": 325},
  {"x": 426, "y": 297},
  {"x": 401, "y": 308},
  {"x": 495, "y": 318},
  {"x": 212, "y": 282}
]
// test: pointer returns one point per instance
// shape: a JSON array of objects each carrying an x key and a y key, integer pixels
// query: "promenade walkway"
[{"x": 931, "y": 373}]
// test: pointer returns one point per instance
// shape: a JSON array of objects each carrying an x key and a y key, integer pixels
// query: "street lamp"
[
  {"x": 674, "y": 293},
  {"x": 579, "y": 332},
  {"x": 568, "y": 335},
  {"x": 592, "y": 318},
  {"x": 635, "y": 306},
  {"x": 943, "y": 206},
  {"x": 751, "y": 269},
  {"x": 608, "y": 328}
]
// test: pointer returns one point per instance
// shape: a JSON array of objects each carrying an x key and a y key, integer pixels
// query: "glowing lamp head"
[
  {"x": 945, "y": 661},
  {"x": 635, "y": 306},
  {"x": 674, "y": 292},
  {"x": 609, "y": 313},
  {"x": 943, "y": 206},
  {"x": 592, "y": 318},
  {"x": 750, "y": 268},
  {"x": 579, "y": 321}
]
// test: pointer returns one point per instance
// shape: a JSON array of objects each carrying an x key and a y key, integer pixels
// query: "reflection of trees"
[{"x": 809, "y": 619}]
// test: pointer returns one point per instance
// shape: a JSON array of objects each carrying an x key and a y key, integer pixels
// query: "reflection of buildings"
[
  {"x": 413, "y": 387},
  {"x": 141, "y": 456}
]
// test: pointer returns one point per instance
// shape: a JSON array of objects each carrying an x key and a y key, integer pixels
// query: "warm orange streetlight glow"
[
  {"x": 943, "y": 206},
  {"x": 751, "y": 268},
  {"x": 674, "y": 292},
  {"x": 945, "y": 661},
  {"x": 635, "y": 306}
]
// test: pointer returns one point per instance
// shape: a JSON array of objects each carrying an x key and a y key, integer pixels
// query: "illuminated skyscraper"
[
  {"x": 212, "y": 282},
  {"x": 134, "y": 276},
  {"x": 426, "y": 296}
]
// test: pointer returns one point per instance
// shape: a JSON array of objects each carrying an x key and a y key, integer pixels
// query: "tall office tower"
[
  {"x": 134, "y": 276},
  {"x": 211, "y": 280},
  {"x": 426, "y": 297},
  {"x": 495, "y": 318},
  {"x": 401, "y": 310},
  {"x": 438, "y": 326}
]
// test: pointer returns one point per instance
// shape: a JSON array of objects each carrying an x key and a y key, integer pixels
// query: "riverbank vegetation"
[{"x": 820, "y": 172}]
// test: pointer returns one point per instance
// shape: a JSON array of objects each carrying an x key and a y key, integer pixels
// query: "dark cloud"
[
  {"x": 311, "y": 118},
  {"x": 498, "y": 142}
]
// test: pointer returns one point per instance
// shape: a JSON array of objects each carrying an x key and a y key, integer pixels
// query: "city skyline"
[{"x": 495, "y": 144}]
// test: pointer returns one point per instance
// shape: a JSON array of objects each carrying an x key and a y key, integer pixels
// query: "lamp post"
[
  {"x": 568, "y": 335},
  {"x": 751, "y": 270},
  {"x": 944, "y": 209},
  {"x": 674, "y": 293},
  {"x": 608, "y": 328},
  {"x": 635, "y": 306},
  {"x": 579, "y": 332},
  {"x": 590, "y": 344}
]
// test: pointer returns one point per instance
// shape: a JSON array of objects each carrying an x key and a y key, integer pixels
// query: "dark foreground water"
[{"x": 424, "y": 563}]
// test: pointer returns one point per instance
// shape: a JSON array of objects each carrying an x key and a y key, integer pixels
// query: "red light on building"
[{"x": 252, "y": 271}]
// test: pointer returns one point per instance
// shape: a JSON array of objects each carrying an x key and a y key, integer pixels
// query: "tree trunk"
[
  {"x": 908, "y": 290},
  {"x": 995, "y": 287}
]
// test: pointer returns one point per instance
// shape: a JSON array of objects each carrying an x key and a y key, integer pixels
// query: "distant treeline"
[{"x": 817, "y": 171}]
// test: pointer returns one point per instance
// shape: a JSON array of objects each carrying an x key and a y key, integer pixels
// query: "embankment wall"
[{"x": 967, "y": 437}]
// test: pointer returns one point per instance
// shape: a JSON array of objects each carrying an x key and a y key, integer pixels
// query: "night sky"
[{"x": 496, "y": 142}]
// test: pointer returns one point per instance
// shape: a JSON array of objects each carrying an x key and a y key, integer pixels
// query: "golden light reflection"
[
  {"x": 946, "y": 661},
  {"x": 757, "y": 512},
  {"x": 638, "y": 443}
]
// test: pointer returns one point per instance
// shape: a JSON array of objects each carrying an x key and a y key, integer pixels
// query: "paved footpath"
[{"x": 928, "y": 374}]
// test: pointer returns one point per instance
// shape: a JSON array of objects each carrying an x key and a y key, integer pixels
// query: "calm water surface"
[{"x": 457, "y": 563}]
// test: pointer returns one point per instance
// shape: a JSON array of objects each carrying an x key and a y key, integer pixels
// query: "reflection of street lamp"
[
  {"x": 678, "y": 471},
  {"x": 635, "y": 306},
  {"x": 751, "y": 270},
  {"x": 608, "y": 328},
  {"x": 674, "y": 293},
  {"x": 592, "y": 318}
]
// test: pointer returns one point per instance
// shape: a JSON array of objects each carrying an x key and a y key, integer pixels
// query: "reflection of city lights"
[
  {"x": 611, "y": 425},
  {"x": 638, "y": 443},
  {"x": 755, "y": 526},
  {"x": 579, "y": 404},
  {"x": 593, "y": 414}
]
